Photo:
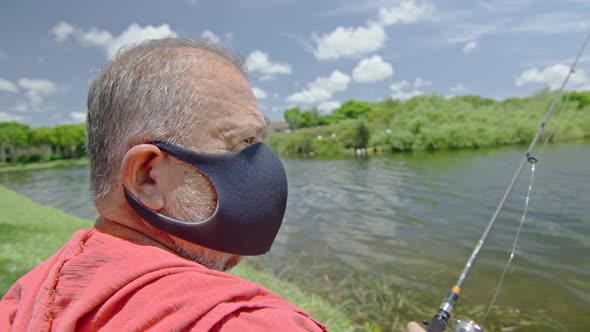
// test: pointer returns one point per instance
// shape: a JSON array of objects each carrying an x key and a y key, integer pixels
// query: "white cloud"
[
  {"x": 467, "y": 32},
  {"x": 470, "y": 47},
  {"x": 321, "y": 89},
  {"x": 7, "y": 117},
  {"x": 407, "y": 11},
  {"x": 504, "y": 6},
  {"x": 8, "y": 86},
  {"x": 405, "y": 95},
  {"x": 458, "y": 88},
  {"x": 62, "y": 31},
  {"x": 404, "y": 90},
  {"x": 553, "y": 77},
  {"x": 336, "y": 82},
  {"x": 471, "y": 26},
  {"x": 309, "y": 96},
  {"x": 38, "y": 85},
  {"x": 95, "y": 38},
  {"x": 419, "y": 82},
  {"x": 37, "y": 89},
  {"x": 105, "y": 41},
  {"x": 370, "y": 70},
  {"x": 354, "y": 42},
  {"x": 229, "y": 37},
  {"x": 278, "y": 108},
  {"x": 554, "y": 23},
  {"x": 328, "y": 106},
  {"x": 259, "y": 93},
  {"x": 78, "y": 117},
  {"x": 210, "y": 36},
  {"x": 349, "y": 42},
  {"x": 399, "y": 85},
  {"x": 136, "y": 33},
  {"x": 20, "y": 107},
  {"x": 260, "y": 63}
]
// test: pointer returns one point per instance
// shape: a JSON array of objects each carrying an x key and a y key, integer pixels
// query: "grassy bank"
[
  {"x": 43, "y": 164},
  {"x": 433, "y": 122},
  {"x": 30, "y": 233}
]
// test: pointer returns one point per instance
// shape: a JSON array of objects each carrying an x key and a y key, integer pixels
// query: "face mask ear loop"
[{"x": 240, "y": 225}]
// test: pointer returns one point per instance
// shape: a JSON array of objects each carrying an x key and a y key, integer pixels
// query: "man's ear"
[{"x": 142, "y": 175}]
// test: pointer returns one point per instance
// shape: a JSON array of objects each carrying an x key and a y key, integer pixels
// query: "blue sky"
[{"x": 299, "y": 53}]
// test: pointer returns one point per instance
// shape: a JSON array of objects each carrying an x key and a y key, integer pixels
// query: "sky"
[{"x": 307, "y": 54}]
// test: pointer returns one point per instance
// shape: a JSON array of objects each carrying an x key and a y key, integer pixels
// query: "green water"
[{"x": 416, "y": 218}]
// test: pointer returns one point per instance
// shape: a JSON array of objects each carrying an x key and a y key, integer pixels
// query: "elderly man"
[{"x": 184, "y": 186}]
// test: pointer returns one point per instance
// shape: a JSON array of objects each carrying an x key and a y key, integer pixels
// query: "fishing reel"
[{"x": 462, "y": 325}]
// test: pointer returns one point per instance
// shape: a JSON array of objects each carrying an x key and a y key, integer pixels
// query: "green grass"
[
  {"x": 384, "y": 303},
  {"x": 43, "y": 164},
  {"x": 328, "y": 314},
  {"x": 30, "y": 233}
]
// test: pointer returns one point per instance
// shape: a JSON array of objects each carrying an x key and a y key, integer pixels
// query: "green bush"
[{"x": 432, "y": 122}]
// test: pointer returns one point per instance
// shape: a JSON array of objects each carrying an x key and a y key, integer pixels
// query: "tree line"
[
  {"x": 431, "y": 122},
  {"x": 428, "y": 122},
  {"x": 297, "y": 119},
  {"x": 21, "y": 144}
]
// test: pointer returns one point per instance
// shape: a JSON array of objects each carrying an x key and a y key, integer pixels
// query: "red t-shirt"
[{"x": 97, "y": 281}]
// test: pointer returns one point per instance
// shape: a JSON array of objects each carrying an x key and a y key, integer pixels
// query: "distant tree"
[
  {"x": 582, "y": 98},
  {"x": 310, "y": 118},
  {"x": 43, "y": 136},
  {"x": 477, "y": 101},
  {"x": 45, "y": 141},
  {"x": 390, "y": 102},
  {"x": 326, "y": 120},
  {"x": 361, "y": 135},
  {"x": 71, "y": 140},
  {"x": 352, "y": 110},
  {"x": 293, "y": 118},
  {"x": 13, "y": 138}
]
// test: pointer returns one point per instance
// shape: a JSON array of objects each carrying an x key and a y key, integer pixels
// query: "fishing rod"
[{"x": 440, "y": 321}]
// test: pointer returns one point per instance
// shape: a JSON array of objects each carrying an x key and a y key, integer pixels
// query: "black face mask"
[{"x": 251, "y": 188}]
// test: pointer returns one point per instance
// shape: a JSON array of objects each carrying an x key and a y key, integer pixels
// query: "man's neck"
[{"x": 124, "y": 232}]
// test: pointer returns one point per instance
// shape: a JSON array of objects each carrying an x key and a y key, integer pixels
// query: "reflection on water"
[
  {"x": 64, "y": 188},
  {"x": 417, "y": 218}
]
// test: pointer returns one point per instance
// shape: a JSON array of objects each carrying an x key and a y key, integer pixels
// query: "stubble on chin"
[
  {"x": 190, "y": 207},
  {"x": 212, "y": 259}
]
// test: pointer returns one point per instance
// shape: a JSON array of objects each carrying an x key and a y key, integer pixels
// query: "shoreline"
[
  {"x": 369, "y": 152},
  {"x": 44, "y": 165}
]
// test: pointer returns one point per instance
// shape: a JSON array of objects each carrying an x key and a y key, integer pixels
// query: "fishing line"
[
  {"x": 514, "y": 244},
  {"x": 440, "y": 320},
  {"x": 526, "y": 207}
]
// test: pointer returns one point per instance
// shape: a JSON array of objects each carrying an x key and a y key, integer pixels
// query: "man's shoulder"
[
  {"x": 173, "y": 291},
  {"x": 217, "y": 301}
]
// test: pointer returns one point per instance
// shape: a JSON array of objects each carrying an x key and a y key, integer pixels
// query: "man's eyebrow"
[{"x": 244, "y": 131}]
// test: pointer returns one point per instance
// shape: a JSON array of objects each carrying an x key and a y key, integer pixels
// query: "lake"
[{"x": 416, "y": 218}]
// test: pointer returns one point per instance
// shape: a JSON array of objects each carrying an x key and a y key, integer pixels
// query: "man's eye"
[{"x": 249, "y": 141}]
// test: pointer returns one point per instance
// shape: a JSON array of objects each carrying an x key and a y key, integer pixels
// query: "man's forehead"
[{"x": 220, "y": 91}]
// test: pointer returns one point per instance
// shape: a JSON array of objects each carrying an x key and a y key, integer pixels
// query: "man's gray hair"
[{"x": 144, "y": 94}]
